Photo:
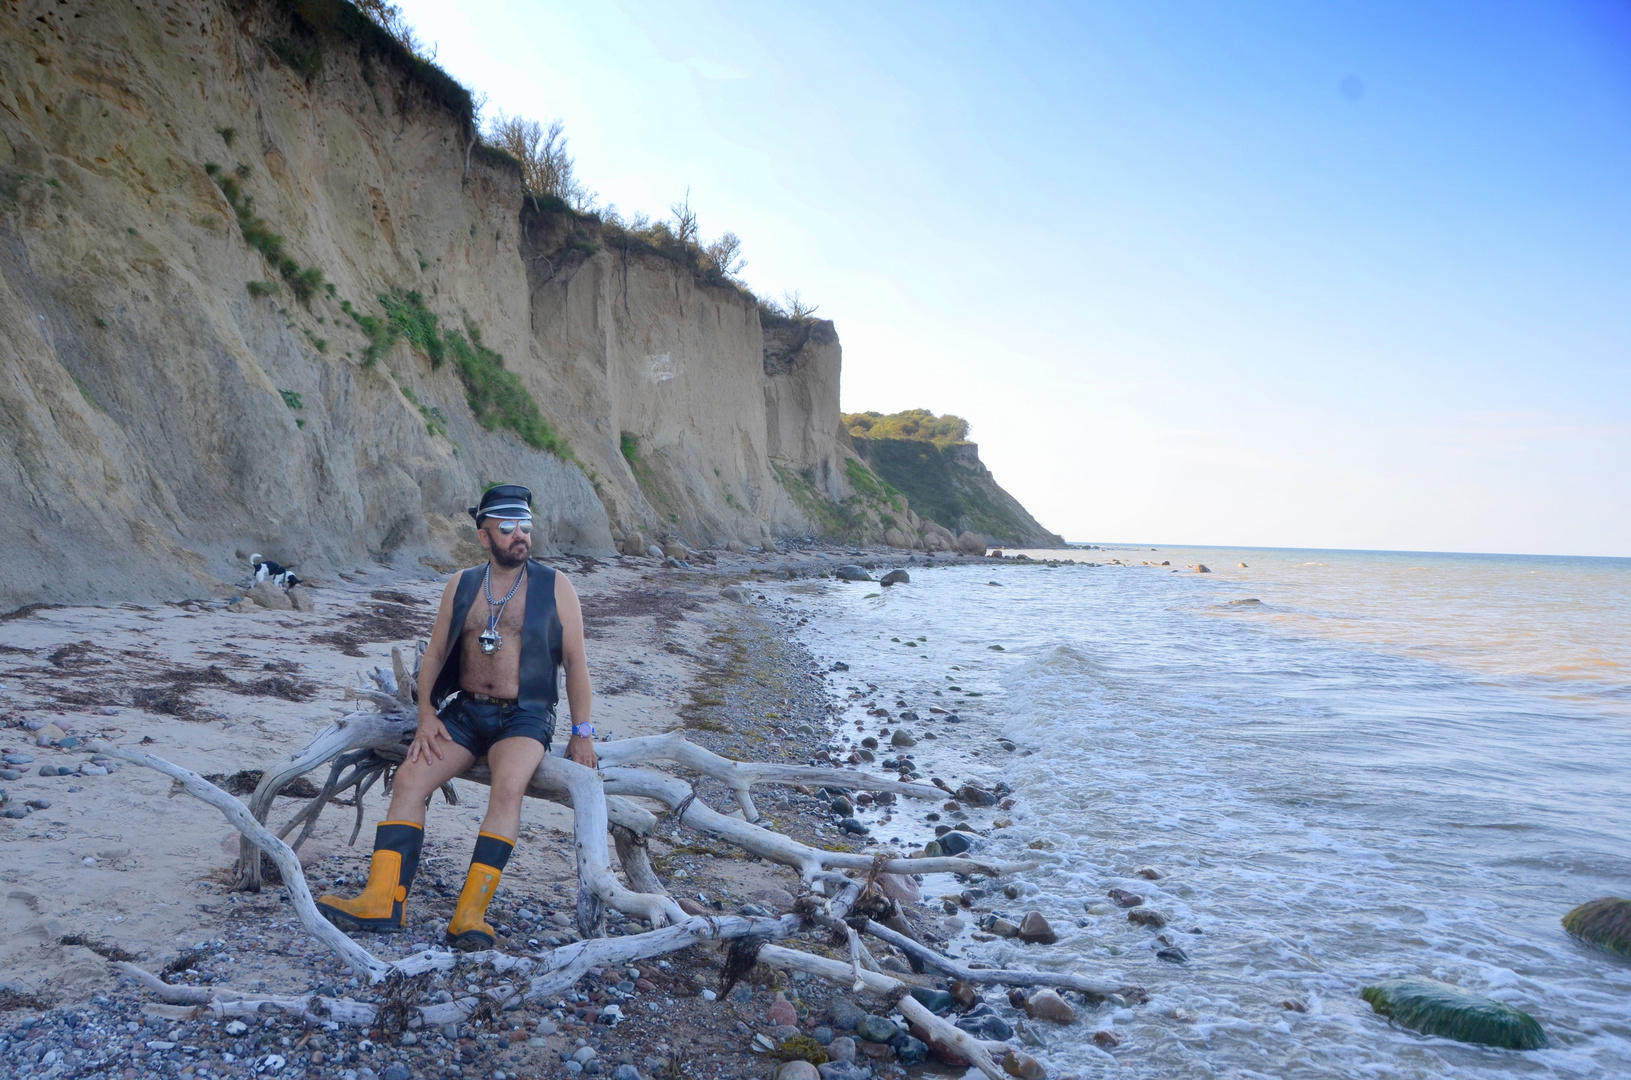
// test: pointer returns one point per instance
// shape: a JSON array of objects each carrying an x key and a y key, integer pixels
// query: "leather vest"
[{"x": 540, "y": 639}]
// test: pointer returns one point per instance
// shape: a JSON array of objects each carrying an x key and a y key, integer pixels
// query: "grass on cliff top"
[
  {"x": 920, "y": 425},
  {"x": 314, "y": 22}
]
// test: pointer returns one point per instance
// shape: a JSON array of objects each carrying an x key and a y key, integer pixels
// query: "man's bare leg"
[
  {"x": 417, "y": 780},
  {"x": 382, "y": 906},
  {"x": 512, "y": 762}
]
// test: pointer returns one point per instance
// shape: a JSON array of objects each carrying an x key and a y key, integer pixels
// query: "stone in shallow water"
[
  {"x": 1144, "y": 916},
  {"x": 1035, "y": 930},
  {"x": 1023, "y": 1066},
  {"x": 989, "y": 1026},
  {"x": 955, "y": 843},
  {"x": 1605, "y": 923},
  {"x": 1435, "y": 1008},
  {"x": 1049, "y": 1006}
]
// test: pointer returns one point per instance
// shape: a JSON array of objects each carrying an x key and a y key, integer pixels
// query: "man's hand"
[
  {"x": 431, "y": 731},
  {"x": 581, "y": 749}
]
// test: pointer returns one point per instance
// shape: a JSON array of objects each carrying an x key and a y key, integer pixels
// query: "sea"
[{"x": 1345, "y": 765}]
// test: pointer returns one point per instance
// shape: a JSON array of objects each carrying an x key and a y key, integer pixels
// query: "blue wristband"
[{"x": 585, "y": 730}]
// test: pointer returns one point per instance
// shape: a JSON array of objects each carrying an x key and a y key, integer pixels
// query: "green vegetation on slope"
[
  {"x": 496, "y": 395},
  {"x": 929, "y": 460},
  {"x": 305, "y": 281}
]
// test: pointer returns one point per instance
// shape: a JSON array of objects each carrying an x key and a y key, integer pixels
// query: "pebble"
[
  {"x": 1023, "y": 1066},
  {"x": 989, "y": 1026},
  {"x": 936, "y": 1001},
  {"x": 850, "y": 825},
  {"x": 48, "y": 735},
  {"x": 841, "y": 1048},
  {"x": 236, "y": 1027},
  {"x": 1144, "y": 916},
  {"x": 708, "y": 995},
  {"x": 876, "y": 1029},
  {"x": 911, "y": 1051},
  {"x": 902, "y": 737},
  {"x": 781, "y": 1014},
  {"x": 845, "y": 1014},
  {"x": 1124, "y": 898},
  {"x": 545, "y": 1027},
  {"x": 89, "y": 769},
  {"x": 1049, "y": 1006},
  {"x": 824, "y": 1035},
  {"x": 1035, "y": 930},
  {"x": 843, "y": 1070},
  {"x": 17, "y": 758},
  {"x": 1106, "y": 1039},
  {"x": 1149, "y": 873},
  {"x": 583, "y": 1055},
  {"x": 797, "y": 1070},
  {"x": 1173, "y": 955},
  {"x": 954, "y": 843},
  {"x": 1000, "y": 927},
  {"x": 10, "y": 774}
]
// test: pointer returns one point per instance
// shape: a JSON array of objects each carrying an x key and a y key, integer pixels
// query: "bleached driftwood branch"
[
  {"x": 363, "y": 746},
  {"x": 547, "y": 973}
]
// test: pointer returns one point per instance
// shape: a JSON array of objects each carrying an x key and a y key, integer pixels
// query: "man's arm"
[
  {"x": 431, "y": 732},
  {"x": 579, "y": 748}
]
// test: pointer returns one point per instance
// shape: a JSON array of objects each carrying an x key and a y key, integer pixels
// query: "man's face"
[{"x": 507, "y": 551}]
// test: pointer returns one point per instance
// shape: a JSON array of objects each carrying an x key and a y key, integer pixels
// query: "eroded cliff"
[
  {"x": 224, "y": 229},
  {"x": 263, "y": 290}
]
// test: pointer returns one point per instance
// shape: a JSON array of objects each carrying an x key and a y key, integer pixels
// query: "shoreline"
[{"x": 668, "y": 647}]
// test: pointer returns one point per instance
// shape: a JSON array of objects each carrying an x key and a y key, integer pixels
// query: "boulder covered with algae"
[
  {"x": 1605, "y": 923},
  {"x": 1435, "y": 1008}
]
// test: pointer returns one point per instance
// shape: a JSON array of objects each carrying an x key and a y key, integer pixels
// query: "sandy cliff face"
[{"x": 160, "y": 418}]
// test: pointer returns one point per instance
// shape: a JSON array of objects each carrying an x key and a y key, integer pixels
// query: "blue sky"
[{"x": 1277, "y": 274}]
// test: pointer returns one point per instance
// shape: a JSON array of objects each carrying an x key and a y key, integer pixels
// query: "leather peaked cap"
[{"x": 504, "y": 501}]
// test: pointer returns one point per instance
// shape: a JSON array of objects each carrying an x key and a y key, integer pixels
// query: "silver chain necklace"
[{"x": 491, "y": 640}]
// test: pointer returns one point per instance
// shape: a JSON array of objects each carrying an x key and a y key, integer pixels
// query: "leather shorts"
[{"x": 476, "y": 726}]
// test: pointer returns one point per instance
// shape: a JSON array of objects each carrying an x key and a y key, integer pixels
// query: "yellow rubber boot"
[
  {"x": 383, "y": 906},
  {"x": 469, "y": 932}
]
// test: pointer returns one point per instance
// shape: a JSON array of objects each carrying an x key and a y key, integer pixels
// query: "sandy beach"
[{"x": 108, "y": 867}]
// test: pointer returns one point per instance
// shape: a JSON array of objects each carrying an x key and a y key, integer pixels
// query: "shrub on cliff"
[{"x": 917, "y": 424}]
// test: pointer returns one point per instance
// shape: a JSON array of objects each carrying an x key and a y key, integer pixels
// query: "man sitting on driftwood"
[{"x": 487, "y": 686}]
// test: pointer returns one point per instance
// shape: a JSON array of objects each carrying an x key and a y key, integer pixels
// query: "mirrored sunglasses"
[{"x": 508, "y": 527}]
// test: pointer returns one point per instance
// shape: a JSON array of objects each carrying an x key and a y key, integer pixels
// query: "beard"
[{"x": 509, "y": 552}]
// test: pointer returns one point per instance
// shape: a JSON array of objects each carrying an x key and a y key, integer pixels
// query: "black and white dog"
[{"x": 281, "y": 576}]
